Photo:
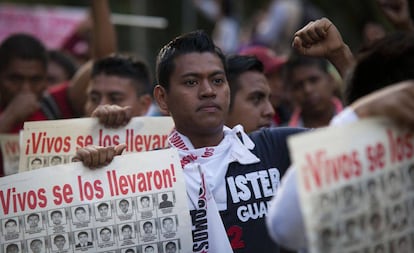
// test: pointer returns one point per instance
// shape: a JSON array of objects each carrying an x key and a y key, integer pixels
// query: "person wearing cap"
[{"x": 273, "y": 65}]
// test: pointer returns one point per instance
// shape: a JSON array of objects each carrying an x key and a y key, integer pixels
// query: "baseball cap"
[{"x": 271, "y": 62}]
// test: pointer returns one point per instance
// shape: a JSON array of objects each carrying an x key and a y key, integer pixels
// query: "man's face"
[
  {"x": 105, "y": 235},
  {"x": 80, "y": 215},
  {"x": 33, "y": 221},
  {"x": 103, "y": 211},
  {"x": 144, "y": 202},
  {"x": 149, "y": 250},
  {"x": 11, "y": 227},
  {"x": 36, "y": 246},
  {"x": 12, "y": 249},
  {"x": 124, "y": 205},
  {"x": 57, "y": 218},
  {"x": 36, "y": 164},
  {"x": 199, "y": 95},
  {"x": 126, "y": 232},
  {"x": 27, "y": 76},
  {"x": 311, "y": 89},
  {"x": 60, "y": 242},
  {"x": 148, "y": 228},
  {"x": 114, "y": 90},
  {"x": 83, "y": 238},
  {"x": 56, "y": 161},
  {"x": 170, "y": 248},
  {"x": 251, "y": 108},
  {"x": 168, "y": 225}
]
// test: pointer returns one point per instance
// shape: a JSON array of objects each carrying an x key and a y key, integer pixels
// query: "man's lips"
[{"x": 210, "y": 107}]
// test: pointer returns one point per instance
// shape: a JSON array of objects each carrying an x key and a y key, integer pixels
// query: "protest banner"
[
  {"x": 10, "y": 151},
  {"x": 53, "y": 25},
  {"x": 52, "y": 142},
  {"x": 139, "y": 200},
  {"x": 356, "y": 186}
]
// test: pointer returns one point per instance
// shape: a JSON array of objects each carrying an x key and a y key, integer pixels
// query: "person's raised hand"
[
  {"x": 398, "y": 13},
  {"x": 321, "y": 38}
]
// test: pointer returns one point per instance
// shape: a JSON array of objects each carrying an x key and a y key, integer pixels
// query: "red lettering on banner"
[
  {"x": 11, "y": 200},
  {"x": 401, "y": 146},
  {"x": 40, "y": 142},
  {"x": 140, "y": 182},
  {"x": 323, "y": 170},
  {"x": 143, "y": 142}
]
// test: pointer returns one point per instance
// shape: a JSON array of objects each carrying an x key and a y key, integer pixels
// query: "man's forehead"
[{"x": 198, "y": 63}]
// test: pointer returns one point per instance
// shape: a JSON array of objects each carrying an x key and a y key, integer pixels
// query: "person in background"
[
  {"x": 119, "y": 80},
  {"x": 24, "y": 95},
  {"x": 61, "y": 67},
  {"x": 249, "y": 94},
  {"x": 273, "y": 68},
  {"x": 381, "y": 84},
  {"x": 312, "y": 91}
]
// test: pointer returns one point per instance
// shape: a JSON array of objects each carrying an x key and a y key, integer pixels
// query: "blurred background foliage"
[{"x": 349, "y": 16}]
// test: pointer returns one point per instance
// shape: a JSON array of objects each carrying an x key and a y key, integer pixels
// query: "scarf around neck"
[{"x": 212, "y": 162}]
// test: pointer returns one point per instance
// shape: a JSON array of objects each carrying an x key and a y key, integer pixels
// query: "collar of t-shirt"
[{"x": 213, "y": 162}]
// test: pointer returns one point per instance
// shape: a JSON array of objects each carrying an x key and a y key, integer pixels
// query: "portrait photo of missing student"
[
  {"x": 11, "y": 226},
  {"x": 124, "y": 207},
  {"x": 80, "y": 214},
  {"x": 105, "y": 235},
  {"x": 393, "y": 184},
  {"x": 376, "y": 223},
  {"x": 165, "y": 200},
  {"x": 168, "y": 224},
  {"x": 148, "y": 228},
  {"x": 349, "y": 197},
  {"x": 149, "y": 248},
  {"x": 373, "y": 190},
  {"x": 103, "y": 210},
  {"x": 57, "y": 217},
  {"x": 171, "y": 246},
  {"x": 410, "y": 177},
  {"x": 402, "y": 244},
  {"x": 398, "y": 217},
  {"x": 37, "y": 163},
  {"x": 83, "y": 239},
  {"x": 56, "y": 160},
  {"x": 36, "y": 245},
  {"x": 351, "y": 230},
  {"x": 13, "y": 247},
  {"x": 126, "y": 231},
  {"x": 129, "y": 250},
  {"x": 34, "y": 222},
  {"x": 328, "y": 237},
  {"x": 145, "y": 203},
  {"x": 60, "y": 242}
]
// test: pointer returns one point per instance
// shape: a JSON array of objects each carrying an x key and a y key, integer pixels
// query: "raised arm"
[
  {"x": 103, "y": 44},
  {"x": 398, "y": 13},
  {"x": 320, "y": 38}
]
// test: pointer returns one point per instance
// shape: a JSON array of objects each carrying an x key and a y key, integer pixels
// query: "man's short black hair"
[
  {"x": 22, "y": 46},
  {"x": 237, "y": 65},
  {"x": 126, "y": 66},
  {"x": 192, "y": 42}
]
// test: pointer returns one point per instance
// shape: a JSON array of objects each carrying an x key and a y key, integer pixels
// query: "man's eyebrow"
[{"x": 196, "y": 74}]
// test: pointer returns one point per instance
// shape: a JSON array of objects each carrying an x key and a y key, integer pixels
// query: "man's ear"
[{"x": 161, "y": 97}]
